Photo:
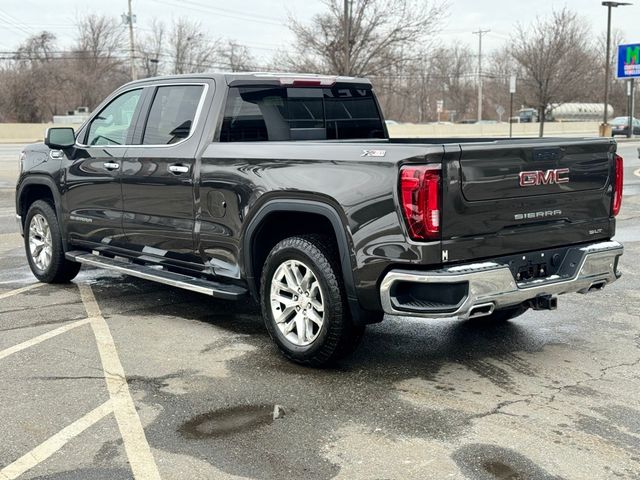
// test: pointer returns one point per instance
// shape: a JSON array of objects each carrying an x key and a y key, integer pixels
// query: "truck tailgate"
[{"x": 515, "y": 196}]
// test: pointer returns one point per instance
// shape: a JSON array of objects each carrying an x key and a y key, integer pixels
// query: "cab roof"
[{"x": 261, "y": 78}]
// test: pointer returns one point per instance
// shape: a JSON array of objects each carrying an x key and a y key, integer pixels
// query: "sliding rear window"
[{"x": 281, "y": 113}]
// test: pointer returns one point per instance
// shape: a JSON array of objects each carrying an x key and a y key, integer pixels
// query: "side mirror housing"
[{"x": 60, "y": 137}]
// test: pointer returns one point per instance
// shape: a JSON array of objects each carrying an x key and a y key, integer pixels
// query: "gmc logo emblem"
[{"x": 539, "y": 177}]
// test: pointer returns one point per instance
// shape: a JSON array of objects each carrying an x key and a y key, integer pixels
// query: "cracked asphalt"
[{"x": 550, "y": 395}]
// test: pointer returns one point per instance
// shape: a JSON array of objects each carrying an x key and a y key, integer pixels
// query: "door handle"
[
  {"x": 111, "y": 165},
  {"x": 177, "y": 169}
]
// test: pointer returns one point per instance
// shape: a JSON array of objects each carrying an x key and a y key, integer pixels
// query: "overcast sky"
[{"x": 261, "y": 24}]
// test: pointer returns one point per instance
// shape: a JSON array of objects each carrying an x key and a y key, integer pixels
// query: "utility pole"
[
  {"x": 480, "y": 32},
  {"x": 129, "y": 19},
  {"x": 347, "y": 27}
]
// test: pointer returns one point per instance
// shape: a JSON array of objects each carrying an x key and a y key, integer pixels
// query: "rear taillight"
[
  {"x": 420, "y": 188},
  {"x": 617, "y": 186}
]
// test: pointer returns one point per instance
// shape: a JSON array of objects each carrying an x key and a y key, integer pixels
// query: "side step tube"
[{"x": 214, "y": 289}]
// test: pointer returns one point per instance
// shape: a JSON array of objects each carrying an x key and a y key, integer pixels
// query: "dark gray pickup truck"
[{"x": 287, "y": 189}]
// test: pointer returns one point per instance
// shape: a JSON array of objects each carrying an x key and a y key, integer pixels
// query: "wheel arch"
[
  {"x": 333, "y": 219},
  {"x": 39, "y": 187}
]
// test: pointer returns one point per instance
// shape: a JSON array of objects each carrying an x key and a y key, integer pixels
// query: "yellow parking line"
[
  {"x": 20, "y": 290},
  {"x": 55, "y": 443},
  {"x": 135, "y": 441},
  {"x": 41, "y": 338}
]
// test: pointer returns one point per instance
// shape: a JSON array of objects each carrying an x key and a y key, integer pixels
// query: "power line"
[
  {"x": 13, "y": 23},
  {"x": 235, "y": 12},
  {"x": 207, "y": 9}
]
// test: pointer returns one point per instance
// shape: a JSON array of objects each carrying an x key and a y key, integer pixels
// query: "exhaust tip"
[{"x": 481, "y": 310}]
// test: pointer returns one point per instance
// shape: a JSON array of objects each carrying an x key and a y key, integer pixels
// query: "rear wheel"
[
  {"x": 43, "y": 245},
  {"x": 304, "y": 303}
]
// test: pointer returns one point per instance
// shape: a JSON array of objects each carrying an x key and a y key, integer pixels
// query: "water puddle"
[
  {"x": 501, "y": 470},
  {"x": 227, "y": 421}
]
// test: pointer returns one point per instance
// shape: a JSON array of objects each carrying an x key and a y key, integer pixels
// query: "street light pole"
[{"x": 609, "y": 6}]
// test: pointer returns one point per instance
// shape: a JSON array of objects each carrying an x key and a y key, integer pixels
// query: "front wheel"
[
  {"x": 43, "y": 245},
  {"x": 304, "y": 303}
]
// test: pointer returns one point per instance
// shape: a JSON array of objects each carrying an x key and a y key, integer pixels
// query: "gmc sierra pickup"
[{"x": 287, "y": 189}]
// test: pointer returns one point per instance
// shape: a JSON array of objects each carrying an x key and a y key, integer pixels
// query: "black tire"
[
  {"x": 59, "y": 269},
  {"x": 504, "y": 315},
  {"x": 337, "y": 336}
]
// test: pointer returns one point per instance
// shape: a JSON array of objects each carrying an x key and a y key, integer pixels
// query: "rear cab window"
[{"x": 272, "y": 113}]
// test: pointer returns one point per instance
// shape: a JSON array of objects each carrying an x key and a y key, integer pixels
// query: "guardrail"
[
  {"x": 34, "y": 132},
  {"x": 551, "y": 129}
]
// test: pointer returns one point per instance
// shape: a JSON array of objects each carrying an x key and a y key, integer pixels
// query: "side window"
[
  {"x": 172, "y": 114},
  {"x": 352, "y": 113},
  {"x": 243, "y": 121},
  {"x": 111, "y": 126}
]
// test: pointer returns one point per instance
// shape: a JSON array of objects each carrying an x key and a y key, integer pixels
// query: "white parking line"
[
  {"x": 20, "y": 290},
  {"x": 41, "y": 338},
  {"x": 135, "y": 441},
  {"x": 55, "y": 442},
  {"x": 637, "y": 173}
]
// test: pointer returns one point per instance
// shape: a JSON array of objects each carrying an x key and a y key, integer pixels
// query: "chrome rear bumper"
[{"x": 490, "y": 286}]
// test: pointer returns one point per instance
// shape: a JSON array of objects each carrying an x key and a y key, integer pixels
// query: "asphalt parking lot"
[{"x": 112, "y": 377}]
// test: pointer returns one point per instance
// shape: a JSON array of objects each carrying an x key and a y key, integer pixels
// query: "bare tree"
[
  {"x": 235, "y": 57},
  {"x": 501, "y": 66},
  {"x": 383, "y": 35},
  {"x": 190, "y": 50},
  {"x": 151, "y": 58},
  {"x": 553, "y": 54},
  {"x": 595, "y": 84},
  {"x": 451, "y": 70},
  {"x": 34, "y": 81},
  {"x": 99, "y": 55}
]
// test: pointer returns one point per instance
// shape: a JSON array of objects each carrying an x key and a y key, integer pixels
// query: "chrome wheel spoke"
[
  {"x": 306, "y": 280},
  {"x": 315, "y": 318},
  {"x": 283, "y": 287},
  {"x": 286, "y": 301},
  {"x": 301, "y": 329},
  {"x": 291, "y": 279},
  {"x": 289, "y": 326},
  {"x": 285, "y": 315}
]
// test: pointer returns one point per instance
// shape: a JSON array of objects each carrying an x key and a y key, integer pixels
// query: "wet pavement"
[{"x": 549, "y": 395}]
